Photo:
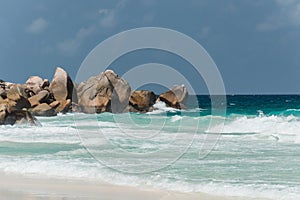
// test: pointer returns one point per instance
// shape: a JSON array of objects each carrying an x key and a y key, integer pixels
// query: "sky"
[{"x": 255, "y": 44}]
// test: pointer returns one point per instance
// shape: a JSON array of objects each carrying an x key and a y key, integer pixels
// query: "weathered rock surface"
[
  {"x": 54, "y": 104},
  {"x": 36, "y": 96},
  {"x": 17, "y": 91},
  {"x": 61, "y": 86},
  {"x": 46, "y": 84},
  {"x": 121, "y": 92},
  {"x": 41, "y": 97},
  {"x": 104, "y": 93},
  {"x": 94, "y": 94},
  {"x": 142, "y": 101},
  {"x": 4, "y": 87},
  {"x": 175, "y": 97},
  {"x": 43, "y": 110},
  {"x": 3, "y": 113},
  {"x": 34, "y": 83},
  {"x": 21, "y": 117},
  {"x": 18, "y": 94},
  {"x": 11, "y": 117},
  {"x": 63, "y": 106}
]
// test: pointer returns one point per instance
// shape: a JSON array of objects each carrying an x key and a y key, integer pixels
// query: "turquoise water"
[{"x": 255, "y": 154}]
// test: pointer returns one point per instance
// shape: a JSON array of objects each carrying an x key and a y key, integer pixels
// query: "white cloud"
[
  {"x": 285, "y": 2},
  {"x": 37, "y": 26},
  {"x": 269, "y": 24},
  {"x": 108, "y": 19},
  {"x": 288, "y": 15},
  {"x": 70, "y": 46},
  {"x": 85, "y": 32},
  {"x": 294, "y": 14},
  {"x": 103, "y": 11},
  {"x": 109, "y": 16}
]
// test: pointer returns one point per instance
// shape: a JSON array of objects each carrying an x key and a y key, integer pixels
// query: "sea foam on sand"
[{"x": 18, "y": 188}]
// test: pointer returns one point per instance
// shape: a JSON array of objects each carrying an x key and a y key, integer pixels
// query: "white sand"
[{"x": 19, "y": 188}]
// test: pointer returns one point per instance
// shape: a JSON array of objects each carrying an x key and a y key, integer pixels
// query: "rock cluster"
[
  {"x": 37, "y": 97},
  {"x": 106, "y": 92},
  {"x": 14, "y": 104}
]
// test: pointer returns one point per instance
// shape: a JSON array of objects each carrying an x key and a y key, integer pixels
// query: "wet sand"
[{"x": 16, "y": 188}]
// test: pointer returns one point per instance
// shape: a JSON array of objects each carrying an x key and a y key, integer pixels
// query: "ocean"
[{"x": 255, "y": 154}]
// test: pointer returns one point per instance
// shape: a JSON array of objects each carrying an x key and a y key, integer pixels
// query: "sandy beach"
[{"x": 25, "y": 188}]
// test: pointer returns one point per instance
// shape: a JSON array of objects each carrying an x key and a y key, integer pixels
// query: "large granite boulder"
[
  {"x": 142, "y": 101},
  {"x": 63, "y": 89},
  {"x": 34, "y": 83},
  {"x": 175, "y": 97},
  {"x": 61, "y": 86},
  {"x": 121, "y": 92},
  {"x": 104, "y": 93},
  {"x": 94, "y": 94}
]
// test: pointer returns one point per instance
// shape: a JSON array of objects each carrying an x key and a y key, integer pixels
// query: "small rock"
[
  {"x": 75, "y": 107},
  {"x": 3, "y": 93},
  {"x": 54, "y": 104},
  {"x": 3, "y": 113},
  {"x": 43, "y": 110},
  {"x": 64, "y": 106},
  {"x": 142, "y": 100},
  {"x": 175, "y": 97},
  {"x": 45, "y": 84},
  {"x": 25, "y": 117},
  {"x": 41, "y": 97}
]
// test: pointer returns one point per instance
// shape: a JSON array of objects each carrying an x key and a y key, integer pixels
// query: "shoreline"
[{"x": 21, "y": 187}]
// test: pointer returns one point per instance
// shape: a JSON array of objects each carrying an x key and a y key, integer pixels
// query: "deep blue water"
[{"x": 250, "y": 104}]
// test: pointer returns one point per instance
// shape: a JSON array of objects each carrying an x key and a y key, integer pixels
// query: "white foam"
[
  {"x": 92, "y": 170},
  {"x": 39, "y": 134},
  {"x": 161, "y": 108},
  {"x": 77, "y": 163},
  {"x": 283, "y": 129},
  {"x": 176, "y": 118}
]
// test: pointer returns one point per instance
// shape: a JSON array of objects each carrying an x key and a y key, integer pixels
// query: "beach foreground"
[{"x": 14, "y": 187}]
